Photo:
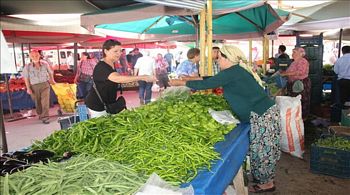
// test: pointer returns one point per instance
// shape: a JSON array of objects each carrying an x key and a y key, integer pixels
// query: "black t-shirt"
[{"x": 106, "y": 88}]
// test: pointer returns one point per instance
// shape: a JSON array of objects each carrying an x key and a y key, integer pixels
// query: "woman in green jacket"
[{"x": 250, "y": 103}]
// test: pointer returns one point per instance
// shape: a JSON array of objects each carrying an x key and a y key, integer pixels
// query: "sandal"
[{"x": 257, "y": 189}]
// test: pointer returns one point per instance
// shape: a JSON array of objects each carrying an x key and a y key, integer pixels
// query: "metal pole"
[
  {"x": 14, "y": 53},
  {"x": 8, "y": 95},
  {"x": 23, "y": 58},
  {"x": 272, "y": 48},
  {"x": 75, "y": 57},
  {"x": 340, "y": 38},
  {"x": 3, "y": 144}
]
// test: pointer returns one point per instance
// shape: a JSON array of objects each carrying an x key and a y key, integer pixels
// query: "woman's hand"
[
  {"x": 29, "y": 91},
  {"x": 177, "y": 82}
]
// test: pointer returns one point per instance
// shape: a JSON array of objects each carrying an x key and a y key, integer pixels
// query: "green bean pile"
[
  {"x": 79, "y": 175},
  {"x": 173, "y": 138},
  {"x": 340, "y": 143}
]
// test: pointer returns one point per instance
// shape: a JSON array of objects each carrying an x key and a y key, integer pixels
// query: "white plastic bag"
[
  {"x": 155, "y": 87},
  {"x": 224, "y": 117},
  {"x": 155, "y": 185},
  {"x": 292, "y": 134}
]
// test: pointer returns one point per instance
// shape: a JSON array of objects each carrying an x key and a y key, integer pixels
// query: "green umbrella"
[{"x": 231, "y": 20}]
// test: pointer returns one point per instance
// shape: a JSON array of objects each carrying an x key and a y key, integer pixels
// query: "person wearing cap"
[
  {"x": 250, "y": 103},
  {"x": 297, "y": 73},
  {"x": 37, "y": 76}
]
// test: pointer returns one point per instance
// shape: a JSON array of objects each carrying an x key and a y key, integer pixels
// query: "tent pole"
[
  {"x": 8, "y": 95},
  {"x": 202, "y": 41},
  {"x": 58, "y": 58},
  {"x": 3, "y": 146},
  {"x": 23, "y": 58},
  {"x": 264, "y": 54},
  {"x": 250, "y": 53},
  {"x": 210, "y": 37},
  {"x": 340, "y": 39},
  {"x": 272, "y": 42},
  {"x": 75, "y": 56}
]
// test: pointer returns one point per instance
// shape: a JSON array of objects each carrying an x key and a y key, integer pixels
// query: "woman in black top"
[{"x": 107, "y": 79}]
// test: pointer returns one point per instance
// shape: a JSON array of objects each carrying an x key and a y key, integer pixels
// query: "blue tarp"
[
  {"x": 233, "y": 151},
  {"x": 22, "y": 100}
]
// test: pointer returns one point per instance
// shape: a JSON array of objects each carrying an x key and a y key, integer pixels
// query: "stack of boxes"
[{"x": 314, "y": 54}]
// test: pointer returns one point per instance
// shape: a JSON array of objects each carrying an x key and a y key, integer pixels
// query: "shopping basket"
[{"x": 66, "y": 96}]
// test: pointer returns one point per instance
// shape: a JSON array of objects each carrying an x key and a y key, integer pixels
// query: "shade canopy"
[
  {"x": 17, "y": 30},
  {"x": 330, "y": 15},
  {"x": 238, "y": 19},
  {"x": 7, "y": 65}
]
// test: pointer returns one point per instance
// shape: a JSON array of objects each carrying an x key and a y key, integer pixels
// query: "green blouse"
[{"x": 241, "y": 91}]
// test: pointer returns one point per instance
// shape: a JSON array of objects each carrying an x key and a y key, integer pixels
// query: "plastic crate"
[
  {"x": 314, "y": 53},
  {"x": 68, "y": 121},
  {"x": 314, "y": 40},
  {"x": 330, "y": 161},
  {"x": 315, "y": 67},
  {"x": 345, "y": 119}
]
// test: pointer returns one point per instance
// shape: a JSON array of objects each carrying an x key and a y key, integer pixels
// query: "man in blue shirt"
[
  {"x": 342, "y": 69},
  {"x": 169, "y": 58},
  {"x": 188, "y": 68}
]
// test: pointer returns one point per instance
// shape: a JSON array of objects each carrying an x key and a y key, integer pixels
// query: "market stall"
[
  {"x": 200, "y": 152},
  {"x": 233, "y": 151}
]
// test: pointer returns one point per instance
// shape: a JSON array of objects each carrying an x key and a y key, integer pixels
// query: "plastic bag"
[
  {"x": 224, "y": 117},
  {"x": 292, "y": 134},
  {"x": 155, "y": 87},
  {"x": 155, "y": 185},
  {"x": 179, "y": 92}
]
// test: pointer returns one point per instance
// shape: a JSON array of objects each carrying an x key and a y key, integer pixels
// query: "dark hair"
[
  {"x": 86, "y": 54},
  {"x": 282, "y": 48},
  {"x": 136, "y": 49},
  {"x": 216, "y": 48},
  {"x": 108, "y": 44},
  {"x": 345, "y": 49},
  {"x": 123, "y": 50},
  {"x": 223, "y": 55},
  {"x": 192, "y": 53}
]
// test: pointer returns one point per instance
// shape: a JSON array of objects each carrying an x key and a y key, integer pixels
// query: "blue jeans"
[
  {"x": 145, "y": 91},
  {"x": 83, "y": 89}
]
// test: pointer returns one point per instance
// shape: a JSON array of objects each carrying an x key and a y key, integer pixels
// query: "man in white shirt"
[
  {"x": 342, "y": 69},
  {"x": 145, "y": 66}
]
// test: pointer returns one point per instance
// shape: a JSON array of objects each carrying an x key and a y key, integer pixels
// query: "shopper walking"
[
  {"x": 83, "y": 77},
  {"x": 145, "y": 66},
  {"x": 37, "y": 76},
  {"x": 162, "y": 73}
]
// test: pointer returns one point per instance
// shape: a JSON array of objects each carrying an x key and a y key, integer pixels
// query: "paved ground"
[
  {"x": 22, "y": 133},
  {"x": 293, "y": 175}
]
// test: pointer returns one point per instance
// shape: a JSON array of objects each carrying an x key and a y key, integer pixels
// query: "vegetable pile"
[
  {"x": 79, "y": 175},
  {"x": 171, "y": 137},
  {"x": 340, "y": 143}
]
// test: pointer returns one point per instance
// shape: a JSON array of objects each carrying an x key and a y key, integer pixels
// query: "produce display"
[
  {"x": 79, "y": 175},
  {"x": 273, "y": 88},
  {"x": 173, "y": 137},
  {"x": 340, "y": 143},
  {"x": 15, "y": 84}
]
